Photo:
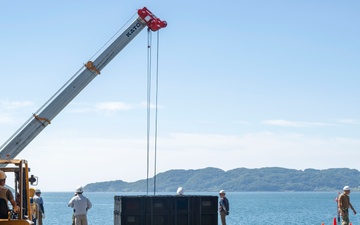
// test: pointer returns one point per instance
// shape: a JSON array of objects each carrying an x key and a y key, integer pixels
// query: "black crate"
[{"x": 166, "y": 210}]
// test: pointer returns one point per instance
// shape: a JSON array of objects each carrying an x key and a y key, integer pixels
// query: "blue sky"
[{"x": 241, "y": 84}]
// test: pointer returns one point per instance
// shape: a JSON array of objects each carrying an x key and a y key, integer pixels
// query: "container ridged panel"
[{"x": 166, "y": 210}]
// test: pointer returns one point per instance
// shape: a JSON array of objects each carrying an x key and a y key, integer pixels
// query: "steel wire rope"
[
  {"x": 156, "y": 107},
  {"x": 148, "y": 86},
  {"x": 149, "y": 76}
]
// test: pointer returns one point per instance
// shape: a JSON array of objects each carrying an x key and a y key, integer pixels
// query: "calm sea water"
[{"x": 256, "y": 208}]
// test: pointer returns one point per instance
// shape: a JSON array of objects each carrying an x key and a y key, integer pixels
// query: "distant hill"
[{"x": 238, "y": 180}]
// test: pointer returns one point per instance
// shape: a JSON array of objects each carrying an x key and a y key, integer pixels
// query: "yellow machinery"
[{"x": 22, "y": 181}]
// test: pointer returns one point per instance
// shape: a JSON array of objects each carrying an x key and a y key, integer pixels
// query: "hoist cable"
[
  {"x": 148, "y": 110},
  {"x": 156, "y": 106},
  {"x": 149, "y": 80}
]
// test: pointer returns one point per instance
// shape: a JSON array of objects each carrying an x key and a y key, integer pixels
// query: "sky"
[{"x": 240, "y": 84}]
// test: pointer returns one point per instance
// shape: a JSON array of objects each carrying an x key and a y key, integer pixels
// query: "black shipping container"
[{"x": 166, "y": 210}]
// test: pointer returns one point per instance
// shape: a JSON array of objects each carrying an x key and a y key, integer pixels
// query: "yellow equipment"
[{"x": 22, "y": 195}]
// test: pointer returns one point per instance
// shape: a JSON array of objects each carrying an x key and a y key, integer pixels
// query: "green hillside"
[{"x": 240, "y": 179}]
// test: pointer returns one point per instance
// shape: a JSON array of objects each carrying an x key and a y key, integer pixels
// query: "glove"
[
  {"x": 43, "y": 215},
  {"x": 227, "y": 213}
]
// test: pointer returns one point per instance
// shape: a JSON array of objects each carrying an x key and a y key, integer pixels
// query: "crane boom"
[{"x": 11, "y": 148}]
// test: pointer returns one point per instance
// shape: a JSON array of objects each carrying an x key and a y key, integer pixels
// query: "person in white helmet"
[
  {"x": 81, "y": 205},
  {"x": 180, "y": 191},
  {"x": 344, "y": 205},
  {"x": 6, "y": 194},
  {"x": 224, "y": 207},
  {"x": 39, "y": 201}
]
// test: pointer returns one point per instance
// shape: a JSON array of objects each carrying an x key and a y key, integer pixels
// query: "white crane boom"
[{"x": 16, "y": 143}]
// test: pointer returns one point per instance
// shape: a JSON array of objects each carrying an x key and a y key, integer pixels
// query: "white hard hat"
[
  {"x": 222, "y": 192},
  {"x": 346, "y": 188},
  {"x": 2, "y": 175},
  {"x": 180, "y": 191},
  {"x": 79, "y": 189},
  {"x": 37, "y": 191}
]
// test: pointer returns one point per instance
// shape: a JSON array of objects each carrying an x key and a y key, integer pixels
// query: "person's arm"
[
  {"x": 222, "y": 203},
  {"x": 42, "y": 208},
  {"x": 228, "y": 205},
  {"x": 71, "y": 203},
  {"x": 15, "y": 207},
  {"x": 226, "y": 202},
  {"x": 352, "y": 208},
  {"x": 89, "y": 205}
]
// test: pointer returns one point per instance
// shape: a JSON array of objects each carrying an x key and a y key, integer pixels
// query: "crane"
[
  {"x": 19, "y": 140},
  {"x": 31, "y": 128}
]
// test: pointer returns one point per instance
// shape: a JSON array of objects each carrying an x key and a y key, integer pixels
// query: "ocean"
[{"x": 257, "y": 208}]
